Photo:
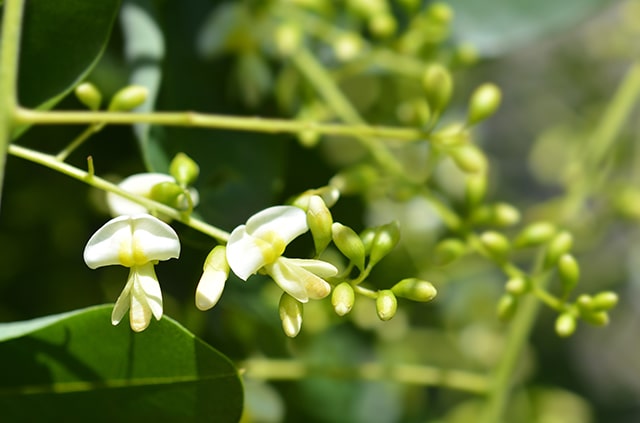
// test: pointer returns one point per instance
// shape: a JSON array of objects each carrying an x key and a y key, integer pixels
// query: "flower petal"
[
  {"x": 289, "y": 279},
  {"x": 103, "y": 248},
  {"x": 157, "y": 239},
  {"x": 214, "y": 277},
  {"x": 139, "y": 184},
  {"x": 244, "y": 254},
  {"x": 287, "y": 221},
  {"x": 147, "y": 287},
  {"x": 123, "y": 302},
  {"x": 317, "y": 267},
  {"x": 310, "y": 274}
]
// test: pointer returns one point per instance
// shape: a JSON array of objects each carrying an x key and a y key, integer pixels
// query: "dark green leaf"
[
  {"x": 78, "y": 367},
  {"x": 61, "y": 42}
]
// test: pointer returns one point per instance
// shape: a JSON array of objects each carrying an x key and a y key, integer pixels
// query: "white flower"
[
  {"x": 260, "y": 243},
  {"x": 137, "y": 242},
  {"x": 214, "y": 277},
  {"x": 140, "y": 184}
]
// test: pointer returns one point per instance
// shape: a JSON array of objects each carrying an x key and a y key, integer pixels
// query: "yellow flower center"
[
  {"x": 132, "y": 254},
  {"x": 271, "y": 245}
]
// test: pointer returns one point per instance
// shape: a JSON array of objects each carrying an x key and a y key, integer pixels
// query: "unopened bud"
[
  {"x": 517, "y": 286},
  {"x": 387, "y": 236},
  {"x": 507, "y": 306},
  {"x": 382, "y": 25},
  {"x": 415, "y": 112},
  {"x": 535, "y": 234},
  {"x": 469, "y": 158},
  {"x": 475, "y": 189},
  {"x": 288, "y": 38},
  {"x": 290, "y": 314},
  {"x": 604, "y": 301},
  {"x": 438, "y": 86},
  {"x": 440, "y": 12},
  {"x": 184, "y": 169},
  {"x": 569, "y": 273},
  {"x": 168, "y": 193},
  {"x": 596, "y": 318},
  {"x": 496, "y": 244},
  {"x": 504, "y": 215},
  {"x": 415, "y": 290},
  {"x": 484, "y": 102},
  {"x": 319, "y": 220},
  {"x": 584, "y": 303},
  {"x": 128, "y": 98},
  {"x": 449, "y": 250},
  {"x": 386, "y": 304},
  {"x": 349, "y": 243},
  {"x": 347, "y": 47},
  {"x": 558, "y": 246},
  {"x": 89, "y": 95},
  {"x": 565, "y": 324},
  {"x": 214, "y": 276},
  {"x": 343, "y": 298},
  {"x": 367, "y": 236}
]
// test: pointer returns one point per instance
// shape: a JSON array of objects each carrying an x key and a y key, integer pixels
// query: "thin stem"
[
  {"x": 9, "y": 50},
  {"x": 89, "y": 178},
  {"x": 79, "y": 140},
  {"x": 403, "y": 373},
  {"x": 194, "y": 119}
]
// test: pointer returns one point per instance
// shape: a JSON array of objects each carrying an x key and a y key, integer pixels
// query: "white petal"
[
  {"x": 288, "y": 222},
  {"x": 244, "y": 255},
  {"x": 288, "y": 278},
  {"x": 140, "y": 313},
  {"x": 305, "y": 273},
  {"x": 210, "y": 288},
  {"x": 148, "y": 287},
  {"x": 139, "y": 184},
  {"x": 103, "y": 248},
  {"x": 317, "y": 267},
  {"x": 157, "y": 240},
  {"x": 123, "y": 302}
]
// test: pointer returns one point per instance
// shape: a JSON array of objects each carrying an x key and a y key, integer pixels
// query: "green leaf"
[
  {"x": 496, "y": 27},
  {"x": 78, "y": 367},
  {"x": 61, "y": 43}
]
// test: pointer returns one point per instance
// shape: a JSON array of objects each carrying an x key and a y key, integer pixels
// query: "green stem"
[
  {"x": 273, "y": 369},
  {"x": 194, "y": 119},
  {"x": 89, "y": 178},
  {"x": 9, "y": 50},
  {"x": 79, "y": 140}
]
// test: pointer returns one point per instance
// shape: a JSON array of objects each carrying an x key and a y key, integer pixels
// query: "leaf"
[
  {"x": 77, "y": 367},
  {"x": 61, "y": 42},
  {"x": 496, "y": 27}
]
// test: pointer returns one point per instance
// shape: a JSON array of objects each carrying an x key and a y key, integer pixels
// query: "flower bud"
[
  {"x": 507, "y": 306},
  {"x": 288, "y": 38},
  {"x": 496, "y": 244},
  {"x": 184, "y": 169},
  {"x": 469, "y": 158},
  {"x": 558, "y": 246},
  {"x": 214, "y": 276},
  {"x": 440, "y": 12},
  {"x": 566, "y": 324},
  {"x": 168, "y": 193},
  {"x": 415, "y": 112},
  {"x": 290, "y": 314},
  {"x": 504, "y": 215},
  {"x": 475, "y": 189},
  {"x": 604, "y": 301},
  {"x": 451, "y": 135},
  {"x": 89, "y": 95},
  {"x": 343, "y": 298},
  {"x": 569, "y": 273},
  {"x": 349, "y": 244},
  {"x": 319, "y": 220},
  {"x": 438, "y": 86},
  {"x": 535, "y": 234},
  {"x": 128, "y": 98},
  {"x": 387, "y": 236},
  {"x": 415, "y": 290},
  {"x": 517, "y": 286},
  {"x": 347, "y": 47},
  {"x": 367, "y": 236},
  {"x": 583, "y": 303},
  {"x": 382, "y": 25},
  {"x": 308, "y": 138},
  {"x": 448, "y": 250},
  {"x": 484, "y": 102},
  {"x": 386, "y": 304},
  {"x": 596, "y": 318}
]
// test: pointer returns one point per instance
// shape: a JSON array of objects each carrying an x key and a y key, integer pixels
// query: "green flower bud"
[
  {"x": 466, "y": 54},
  {"x": 475, "y": 189},
  {"x": 583, "y": 303},
  {"x": 290, "y": 314},
  {"x": 415, "y": 290},
  {"x": 496, "y": 244},
  {"x": 184, "y": 169},
  {"x": 566, "y": 324},
  {"x": 168, "y": 193},
  {"x": 469, "y": 158},
  {"x": 386, "y": 304},
  {"x": 343, "y": 298},
  {"x": 438, "y": 86},
  {"x": 89, "y": 95},
  {"x": 451, "y": 135},
  {"x": 387, "y": 236},
  {"x": 604, "y": 301},
  {"x": 349, "y": 244},
  {"x": 596, "y": 318},
  {"x": 484, "y": 102},
  {"x": 449, "y": 250},
  {"x": 288, "y": 38},
  {"x": 319, "y": 220},
  {"x": 382, "y": 25},
  {"x": 128, "y": 98},
  {"x": 367, "y": 236},
  {"x": 415, "y": 112},
  {"x": 440, "y": 12},
  {"x": 507, "y": 306},
  {"x": 558, "y": 246},
  {"x": 504, "y": 215},
  {"x": 308, "y": 138},
  {"x": 569, "y": 273},
  {"x": 535, "y": 234},
  {"x": 347, "y": 47},
  {"x": 517, "y": 286},
  {"x": 356, "y": 179}
]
